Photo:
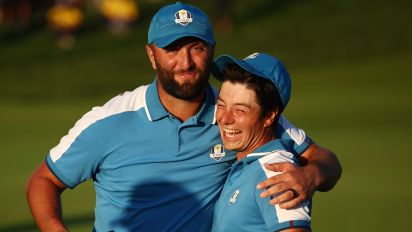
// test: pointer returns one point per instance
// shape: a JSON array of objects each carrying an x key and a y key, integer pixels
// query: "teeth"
[{"x": 231, "y": 132}]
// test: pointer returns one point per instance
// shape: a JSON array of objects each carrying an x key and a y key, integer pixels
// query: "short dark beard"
[{"x": 187, "y": 91}]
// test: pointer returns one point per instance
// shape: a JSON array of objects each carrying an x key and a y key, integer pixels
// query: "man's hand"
[
  {"x": 291, "y": 187},
  {"x": 321, "y": 171}
]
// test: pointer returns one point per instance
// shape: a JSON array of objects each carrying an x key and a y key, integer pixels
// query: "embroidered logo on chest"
[{"x": 217, "y": 152}]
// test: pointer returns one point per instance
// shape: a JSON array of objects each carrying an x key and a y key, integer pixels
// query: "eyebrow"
[
  {"x": 184, "y": 42},
  {"x": 236, "y": 104},
  {"x": 219, "y": 99},
  {"x": 243, "y": 104}
]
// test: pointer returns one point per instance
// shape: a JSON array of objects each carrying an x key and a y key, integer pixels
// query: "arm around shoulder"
[
  {"x": 323, "y": 164},
  {"x": 296, "y": 230},
  {"x": 43, "y": 192}
]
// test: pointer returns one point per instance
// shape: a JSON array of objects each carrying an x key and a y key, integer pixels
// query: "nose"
[
  {"x": 224, "y": 117},
  {"x": 185, "y": 59}
]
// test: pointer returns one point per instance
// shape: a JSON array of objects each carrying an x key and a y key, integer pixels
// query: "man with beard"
[{"x": 155, "y": 153}]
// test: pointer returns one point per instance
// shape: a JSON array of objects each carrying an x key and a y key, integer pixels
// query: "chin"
[{"x": 230, "y": 146}]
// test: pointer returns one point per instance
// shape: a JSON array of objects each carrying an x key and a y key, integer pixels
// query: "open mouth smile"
[{"x": 231, "y": 133}]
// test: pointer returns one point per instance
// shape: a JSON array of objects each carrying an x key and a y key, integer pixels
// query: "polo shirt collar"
[
  {"x": 206, "y": 113},
  {"x": 261, "y": 151},
  {"x": 156, "y": 110}
]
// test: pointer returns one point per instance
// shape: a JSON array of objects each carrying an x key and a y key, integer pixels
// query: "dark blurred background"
[{"x": 349, "y": 61}]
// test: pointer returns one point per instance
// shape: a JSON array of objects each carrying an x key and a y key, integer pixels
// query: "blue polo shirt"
[
  {"x": 151, "y": 172},
  {"x": 240, "y": 208}
]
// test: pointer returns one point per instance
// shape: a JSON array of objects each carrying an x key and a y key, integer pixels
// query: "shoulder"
[
  {"x": 124, "y": 102},
  {"x": 298, "y": 135},
  {"x": 127, "y": 101},
  {"x": 89, "y": 124},
  {"x": 276, "y": 156}
]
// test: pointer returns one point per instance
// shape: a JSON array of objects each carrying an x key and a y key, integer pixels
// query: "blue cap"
[
  {"x": 178, "y": 20},
  {"x": 261, "y": 65}
]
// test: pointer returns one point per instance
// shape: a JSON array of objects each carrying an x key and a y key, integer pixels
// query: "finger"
[
  {"x": 275, "y": 189},
  {"x": 270, "y": 181},
  {"x": 292, "y": 203},
  {"x": 284, "y": 197},
  {"x": 278, "y": 167}
]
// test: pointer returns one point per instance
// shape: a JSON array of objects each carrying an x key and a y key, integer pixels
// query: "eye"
[
  {"x": 172, "y": 50},
  {"x": 174, "y": 47},
  {"x": 220, "y": 104},
  {"x": 199, "y": 47},
  {"x": 241, "y": 110}
]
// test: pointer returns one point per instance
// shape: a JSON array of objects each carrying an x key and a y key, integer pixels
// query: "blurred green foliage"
[{"x": 350, "y": 65}]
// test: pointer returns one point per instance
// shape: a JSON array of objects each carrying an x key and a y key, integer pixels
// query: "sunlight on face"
[
  {"x": 183, "y": 67},
  {"x": 238, "y": 115}
]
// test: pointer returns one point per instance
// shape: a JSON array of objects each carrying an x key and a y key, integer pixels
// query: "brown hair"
[{"x": 266, "y": 92}]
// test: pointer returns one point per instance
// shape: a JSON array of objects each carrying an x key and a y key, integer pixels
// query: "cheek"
[
  {"x": 172, "y": 61},
  {"x": 219, "y": 115},
  {"x": 252, "y": 127},
  {"x": 201, "y": 62},
  {"x": 167, "y": 62}
]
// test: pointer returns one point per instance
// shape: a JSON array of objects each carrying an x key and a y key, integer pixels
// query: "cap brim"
[
  {"x": 223, "y": 60},
  {"x": 167, "y": 40}
]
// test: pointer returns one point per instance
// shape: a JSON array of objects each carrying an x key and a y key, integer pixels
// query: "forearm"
[
  {"x": 296, "y": 230},
  {"x": 321, "y": 171},
  {"x": 323, "y": 165},
  {"x": 43, "y": 196}
]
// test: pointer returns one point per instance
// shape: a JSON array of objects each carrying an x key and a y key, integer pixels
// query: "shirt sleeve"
[
  {"x": 276, "y": 218},
  {"x": 288, "y": 132},
  {"x": 75, "y": 159}
]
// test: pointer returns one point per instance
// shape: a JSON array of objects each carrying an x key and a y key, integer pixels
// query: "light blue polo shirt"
[
  {"x": 240, "y": 207},
  {"x": 151, "y": 171}
]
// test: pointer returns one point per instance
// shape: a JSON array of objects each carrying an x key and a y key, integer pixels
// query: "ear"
[
  {"x": 150, "y": 54},
  {"x": 212, "y": 50},
  {"x": 270, "y": 118}
]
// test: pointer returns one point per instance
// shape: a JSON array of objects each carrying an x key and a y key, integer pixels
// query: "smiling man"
[{"x": 253, "y": 95}]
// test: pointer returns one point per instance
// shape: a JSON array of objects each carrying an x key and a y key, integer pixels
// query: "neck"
[
  {"x": 269, "y": 135},
  {"x": 181, "y": 109}
]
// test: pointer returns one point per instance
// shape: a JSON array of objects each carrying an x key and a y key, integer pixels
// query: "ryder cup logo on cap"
[
  {"x": 178, "y": 20},
  {"x": 261, "y": 65},
  {"x": 183, "y": 17},
  {"x": 251, "y": 56}
]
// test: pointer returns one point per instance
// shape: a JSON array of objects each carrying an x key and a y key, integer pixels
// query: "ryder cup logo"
[
  {"x": 217, "y": 152},
  {"x": 183, "y": 17}
]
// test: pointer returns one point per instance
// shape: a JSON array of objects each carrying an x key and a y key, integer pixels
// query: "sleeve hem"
[
  {"x": 52, "y": 167},
  {"x": 291, "y": 224},
  {"x": 299, "y": 149}
]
